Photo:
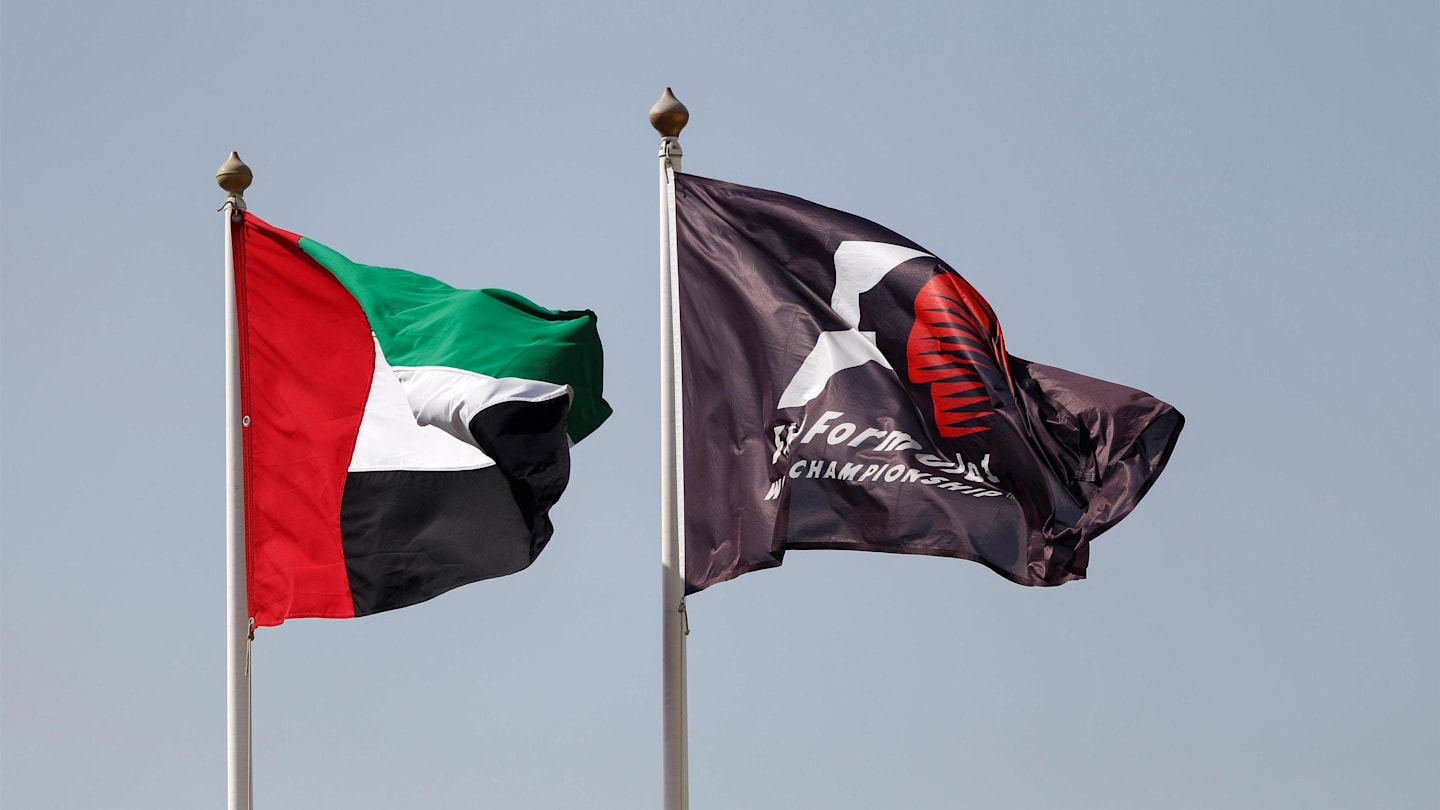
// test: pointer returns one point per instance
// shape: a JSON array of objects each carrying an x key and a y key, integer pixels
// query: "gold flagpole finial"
[
  {"x": 234, "y": 177},
  {"x": 669, "y": 116}
]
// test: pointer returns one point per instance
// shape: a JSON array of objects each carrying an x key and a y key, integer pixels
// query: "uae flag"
[
  {"x": 842, "y": 388},
  {"x": 401, "y": 437}
]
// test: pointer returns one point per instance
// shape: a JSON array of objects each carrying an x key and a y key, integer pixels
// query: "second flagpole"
[
  {"x": 234, "y": 177},
  {"x": 669, "y": 116}
]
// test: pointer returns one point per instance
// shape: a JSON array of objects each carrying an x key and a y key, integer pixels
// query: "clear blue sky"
[{"x": 1234, "y": 206}]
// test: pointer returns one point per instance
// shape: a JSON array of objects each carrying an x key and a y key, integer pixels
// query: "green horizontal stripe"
[{"x": 421, "y": 321}]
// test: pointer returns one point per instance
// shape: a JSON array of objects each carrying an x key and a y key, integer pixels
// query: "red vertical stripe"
[{"x": 306, "y": 362}]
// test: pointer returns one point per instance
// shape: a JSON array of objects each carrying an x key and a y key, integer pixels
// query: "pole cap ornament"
[
  {"x": 234, "y": 176},
  {"x": 669, "y": 116}
]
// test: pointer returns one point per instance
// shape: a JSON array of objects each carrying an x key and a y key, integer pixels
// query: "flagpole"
[
  {"x": 669, "y": 116},
  {"x": 234, "y": 177}
]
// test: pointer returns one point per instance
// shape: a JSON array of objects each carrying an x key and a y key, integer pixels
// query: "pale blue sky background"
[{"x": 1234, "y": 206}]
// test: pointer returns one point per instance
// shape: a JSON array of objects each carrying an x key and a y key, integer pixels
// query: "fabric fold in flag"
[
  {"x": 843, "y": 388},
  {"x": 401, "y": 437}
]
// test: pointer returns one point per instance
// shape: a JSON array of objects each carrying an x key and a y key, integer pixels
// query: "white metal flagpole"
[
  {"x": 234, "y": 177},
  {"x": 669, "y": 116}
]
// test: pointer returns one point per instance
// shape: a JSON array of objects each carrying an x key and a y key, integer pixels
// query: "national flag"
[
  {"x": 401, "y": 437},
  {"x": 843, "y": 388}
]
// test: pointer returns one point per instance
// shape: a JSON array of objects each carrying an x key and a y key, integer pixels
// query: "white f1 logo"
[{"x": 859, "y": 266}]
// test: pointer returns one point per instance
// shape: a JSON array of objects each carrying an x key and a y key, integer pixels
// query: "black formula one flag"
[{"x": 844, "y": 389}]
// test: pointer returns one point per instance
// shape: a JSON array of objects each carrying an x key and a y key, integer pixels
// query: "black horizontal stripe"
[{"x": 410, "y": 536}]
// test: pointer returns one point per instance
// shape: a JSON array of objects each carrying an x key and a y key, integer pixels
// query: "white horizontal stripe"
[
  {"x": 448, "y": 398},
  {"x": 390, "y": 438}
]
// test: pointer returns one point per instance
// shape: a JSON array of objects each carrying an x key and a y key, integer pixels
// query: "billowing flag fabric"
[
  {"x": 842, "y": 388},
  {"x": 401, "y": 437}
]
